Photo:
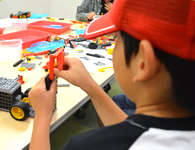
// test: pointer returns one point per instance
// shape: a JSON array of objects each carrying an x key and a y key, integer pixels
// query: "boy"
[
  {"x": 154, "y": 64},
  {"x": 89, "y": 8}
]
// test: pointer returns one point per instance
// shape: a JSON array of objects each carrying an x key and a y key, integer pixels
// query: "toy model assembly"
[
  {"x": 16, "y": 102},
  {"x": 59, "y": 57},
  {"x": 21, "y": 14},
  {"x": 13, "y": 100}
]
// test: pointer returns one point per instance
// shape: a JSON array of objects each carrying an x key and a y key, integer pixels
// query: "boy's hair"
[{"x": 182, "y": 72}]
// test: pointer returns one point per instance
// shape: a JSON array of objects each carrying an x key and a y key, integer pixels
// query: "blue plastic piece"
[
  {"x": 79, "y": 32},
  {"x": 37, "y": 16},
  {"x": 54, "y": 26},
  {"x": 45, "y": 45}
]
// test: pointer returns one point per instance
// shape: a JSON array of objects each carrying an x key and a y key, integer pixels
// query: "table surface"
[{"x": 16, "y": 134}]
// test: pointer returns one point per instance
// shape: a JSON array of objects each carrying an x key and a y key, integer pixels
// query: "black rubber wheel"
[{"x": 19, "y": 110}]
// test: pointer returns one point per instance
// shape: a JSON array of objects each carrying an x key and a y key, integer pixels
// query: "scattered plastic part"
[
  {"x": 38, "y": 57},
  {"x": 95, "y": 55},
  {"x": 29, "y": 69},
  {"x": 110, "y": 51},
  {"x": 76, "y": 22},
  {"x": 80, "y": 39},
  {"x": 40, "y": 63},
  {"x": 98, "y": 63},
  {"x": 22, "y": 69},
  {"x": 103, "y": 69},
  {"x": 28, "y": 60},
  {"x": 28, "y": 65},
  {"x": 63, "y": 85},
  {"x": 46, "y": 56},
  {"x": 81, "y": 31},
  {"x": 31, "y": 57},
  {"x": 18, "y": 62},
  {"x": 71, "y": 45},
  {"x": 1, "y": 30},
  {"x": 45, "y": 45},
  {"x": 37, "y": 16},
  {"x": 51, "y": 19},
  {"x": 86, "y": 58},
  {"x": 21, "y": 81},
  {"x": 39, "y": 25},
  {"x": 28, "y": 36},
  {"x": 36, "y": 54}
]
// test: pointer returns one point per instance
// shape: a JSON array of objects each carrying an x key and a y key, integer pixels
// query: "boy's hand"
[
  {"x": 75, "y": 73},
  {"x": 90, "y": 15},
  {"x": 43, "y": 101},
  {"x": 108, "y": 6}
]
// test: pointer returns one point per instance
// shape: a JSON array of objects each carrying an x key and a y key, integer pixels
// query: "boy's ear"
[{"x": 148, "y": 63}]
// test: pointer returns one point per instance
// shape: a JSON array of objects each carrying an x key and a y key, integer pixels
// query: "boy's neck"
[{"x": 163, "y": 110}]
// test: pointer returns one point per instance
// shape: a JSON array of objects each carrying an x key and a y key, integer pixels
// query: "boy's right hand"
[{"x": 75, "y": 72}]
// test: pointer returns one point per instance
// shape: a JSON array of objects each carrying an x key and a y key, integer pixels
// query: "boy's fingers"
[{"x": 59, "y": 73}]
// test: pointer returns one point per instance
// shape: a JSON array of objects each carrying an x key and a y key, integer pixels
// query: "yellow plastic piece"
[
  {"x": 17, "y": 112},
  {"x": 32, "y": 57},
  {"x": 78, "y": 50},
  {"x": 55, "y": 64},
  {"x": 110, "y": 51},
  {"x": 103, "y": 69},
  {"x": 100, "y": 42},
  {"x": 26, "y": 99},
  {"x": 22, "y": 69},
  {"x": 52, "y": 19}
]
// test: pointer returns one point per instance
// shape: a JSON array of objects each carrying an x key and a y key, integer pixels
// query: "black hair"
[{"x": 182, "y": 72}]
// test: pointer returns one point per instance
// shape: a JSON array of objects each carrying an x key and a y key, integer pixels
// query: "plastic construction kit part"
[
  {"x": 38, "y": 57},
  {"x": 21, "y": 79},
  {"x": 22, "y": 69},
  {"x": 8, "y": 85},
  {"x": 37, "y": 16},
  {"x": 9, "y": 89},
  {"x": 59, "y": 55},
  {"x": 45, "y": 45},
  {"x": 28, "y": 65},
  {"x": 63, "y": 85},
  {"x": 1, "y": 30}
]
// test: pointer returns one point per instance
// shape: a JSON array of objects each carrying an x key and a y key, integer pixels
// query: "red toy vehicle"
[{"x": 21, "y": 14}]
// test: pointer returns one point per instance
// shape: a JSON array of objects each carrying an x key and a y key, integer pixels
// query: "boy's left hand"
[{"x": 43, "y": 101}]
